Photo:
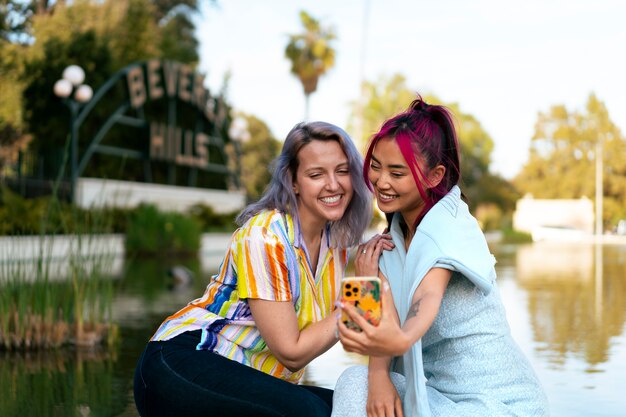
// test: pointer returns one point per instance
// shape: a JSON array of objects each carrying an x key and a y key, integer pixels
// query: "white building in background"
[{"x": 554, "y": 219}]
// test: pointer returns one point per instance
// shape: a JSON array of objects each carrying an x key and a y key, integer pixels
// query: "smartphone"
[{"x": 364, "y": 294}]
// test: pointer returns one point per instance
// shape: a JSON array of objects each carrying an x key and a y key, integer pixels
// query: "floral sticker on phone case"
[{"x": 364, "y": 295}]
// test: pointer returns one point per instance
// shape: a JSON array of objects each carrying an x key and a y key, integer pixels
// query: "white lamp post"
[{"x": 72, "y": 82}]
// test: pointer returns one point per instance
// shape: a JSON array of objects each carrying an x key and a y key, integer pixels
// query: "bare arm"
[
  {"x": 278, "y": 324},
  {"x": 382, "y": 396},
  {"x": 425, "y": 304},
  {"x": 388, "y": 338}
]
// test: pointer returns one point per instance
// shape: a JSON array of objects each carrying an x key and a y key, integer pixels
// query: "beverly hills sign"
[
  {"x": 157, "y": 80},
  {"x": 186, "y": 129}
]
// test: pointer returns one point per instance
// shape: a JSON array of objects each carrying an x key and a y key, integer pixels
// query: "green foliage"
[
  {"x": 562, "y": 158},
  {"x": 12, "y": 136},
  {"x": 390, "y": 95},
  {"x": 48, "y": 215},
  {"x": 178, "y": 41},
  {"x": 210, "y": 221},
  {"x": 151, "y": 232},
  {"x": 381, "y": 99},
  {"x": 257, "y": 154},
  {"x": 15, "y": 19},
  {"x": 19, "y": 216},
  {"x": 39, "y": 312},
  {"x": 135, "y": 35},
  {"x": 45, "y": 114},
  {"x": 513, "y": 236},
  {"x": 38, "y": 39}
]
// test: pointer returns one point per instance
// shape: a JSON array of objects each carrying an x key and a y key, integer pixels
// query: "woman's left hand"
[
  {"x": 368, "y": 254},
  {"x": 386, "y": 339}
]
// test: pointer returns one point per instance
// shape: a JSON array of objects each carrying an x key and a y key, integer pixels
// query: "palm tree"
[{"x": 311, "y": 54}]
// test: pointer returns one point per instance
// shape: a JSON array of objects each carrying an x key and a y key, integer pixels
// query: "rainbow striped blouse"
[{"x": 267, "y": 260}]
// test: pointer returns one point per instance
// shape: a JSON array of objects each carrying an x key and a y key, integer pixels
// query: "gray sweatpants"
[{"x": 350, "y": 394}]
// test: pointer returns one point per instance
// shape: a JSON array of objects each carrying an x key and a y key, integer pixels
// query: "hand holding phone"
[{"x": 364, "y": 294}]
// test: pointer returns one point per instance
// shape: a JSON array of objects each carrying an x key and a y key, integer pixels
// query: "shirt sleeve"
[{"x": 261, "y": 266}]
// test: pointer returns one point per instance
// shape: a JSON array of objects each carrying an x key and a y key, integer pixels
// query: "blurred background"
[{"x": 133, "y": 131}]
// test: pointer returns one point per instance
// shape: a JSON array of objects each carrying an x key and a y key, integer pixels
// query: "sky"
[{"x": 502, "y": 61}]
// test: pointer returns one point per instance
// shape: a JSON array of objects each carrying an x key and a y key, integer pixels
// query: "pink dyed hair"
[{"x": 426, "y": 132}]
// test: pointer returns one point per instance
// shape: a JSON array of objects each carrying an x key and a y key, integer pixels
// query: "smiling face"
[
  {"x": 394, "y": 185},
  {"x": 322, "y": 183}
]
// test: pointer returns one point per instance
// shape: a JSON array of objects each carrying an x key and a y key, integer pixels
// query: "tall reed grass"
[
  {"x": 44, "y": 308},
  {"x": 47, "y": 302}
]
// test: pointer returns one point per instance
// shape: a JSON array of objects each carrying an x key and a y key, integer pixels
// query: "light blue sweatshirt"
[{"x": 467, "y": 363}]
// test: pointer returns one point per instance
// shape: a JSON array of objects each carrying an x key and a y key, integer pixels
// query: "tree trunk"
[{"x": 306, "y": 106}]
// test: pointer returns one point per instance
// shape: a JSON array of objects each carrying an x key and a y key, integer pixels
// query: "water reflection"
[
  {"x": 59, "y": 383},
  {"x": 576, "y": 298},
  {"x": 566, "y": 304}
]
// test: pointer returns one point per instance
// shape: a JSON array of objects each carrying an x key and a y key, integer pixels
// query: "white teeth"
[
  {"x": 330, "y": 200},
  {"x": 387, "y": 196}
]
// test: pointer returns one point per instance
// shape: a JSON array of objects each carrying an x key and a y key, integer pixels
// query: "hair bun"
[{"x": 418, "y": 104}]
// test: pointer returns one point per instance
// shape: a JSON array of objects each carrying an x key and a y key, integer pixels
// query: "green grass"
[
  {"x": 41, "y": 309},
  {"x": 154, "y": 233},
  {"x": 514, "y": 236}
]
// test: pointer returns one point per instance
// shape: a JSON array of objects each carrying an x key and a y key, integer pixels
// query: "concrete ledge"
[
  {"x": 19, "y": 253},
  {"x": 95, "y": 192}
]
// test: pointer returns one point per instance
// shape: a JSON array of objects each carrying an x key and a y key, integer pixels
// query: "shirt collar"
[{"x": 295, "y": 235}]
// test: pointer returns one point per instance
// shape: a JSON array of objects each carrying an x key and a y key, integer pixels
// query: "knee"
[
  {"x": 352, "y": 377},
  {"x": 350, "y": 394}
]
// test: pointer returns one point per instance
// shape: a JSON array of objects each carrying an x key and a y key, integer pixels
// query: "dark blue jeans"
[{"x": 172, "y": 378}]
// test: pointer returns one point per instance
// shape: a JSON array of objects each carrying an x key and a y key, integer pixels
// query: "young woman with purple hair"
[
  {"x": 241, "y": 349},
  {"x": 443, "y": 347}
]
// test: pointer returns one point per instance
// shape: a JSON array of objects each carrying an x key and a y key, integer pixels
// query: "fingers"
[
  {"x": 398, "y": 407},
  {"x": 368, "y": 254},
  {"x": 355, "y": 316},
  {"x": 349, "y": 338},
  {"x": 385, "y": 409},
  {"x": 376, "y": 240},
  {"x": 352, "y": 340}
]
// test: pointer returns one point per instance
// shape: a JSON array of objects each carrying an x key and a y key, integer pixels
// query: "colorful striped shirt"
[{"x": 267, "y": 259}]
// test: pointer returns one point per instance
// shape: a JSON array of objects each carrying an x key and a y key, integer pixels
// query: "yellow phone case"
[{"x": 364, "y": 294}]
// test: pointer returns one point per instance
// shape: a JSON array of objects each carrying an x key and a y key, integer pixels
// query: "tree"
[
  {"x": 15, "y": 28},
  {"x": 562, "y": 156},
  {"x": 311, "y": 54},
  {"x": 390, "y": 95},
  {"x": 382, "y": 99},
  {"x": 123, "y": 30},
  {"x": 178, "y": 41},
  {"x": 258, "y": 151},
  {"x": 15, "y": 18}
]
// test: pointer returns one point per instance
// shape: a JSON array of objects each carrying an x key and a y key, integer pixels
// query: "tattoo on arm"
[{"x": 414, "y": 309}]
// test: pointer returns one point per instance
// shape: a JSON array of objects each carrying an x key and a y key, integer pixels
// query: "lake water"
[{"x": 566, "y": 304}]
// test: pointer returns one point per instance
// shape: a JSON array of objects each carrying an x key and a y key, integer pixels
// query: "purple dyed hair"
[{"x": 426, "y": 132}]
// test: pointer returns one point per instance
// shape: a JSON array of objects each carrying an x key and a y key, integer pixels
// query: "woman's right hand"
[
  {"x": 386, "y": 339},
  {"x": 368, "y": 254},
  {"x": 382, "y": 398}
]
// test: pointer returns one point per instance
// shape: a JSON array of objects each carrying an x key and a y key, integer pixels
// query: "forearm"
[
  {"x": 311, "y": 342},
  {"x": 420, "y": 317},
  {"x": 378, "y": 367}
]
